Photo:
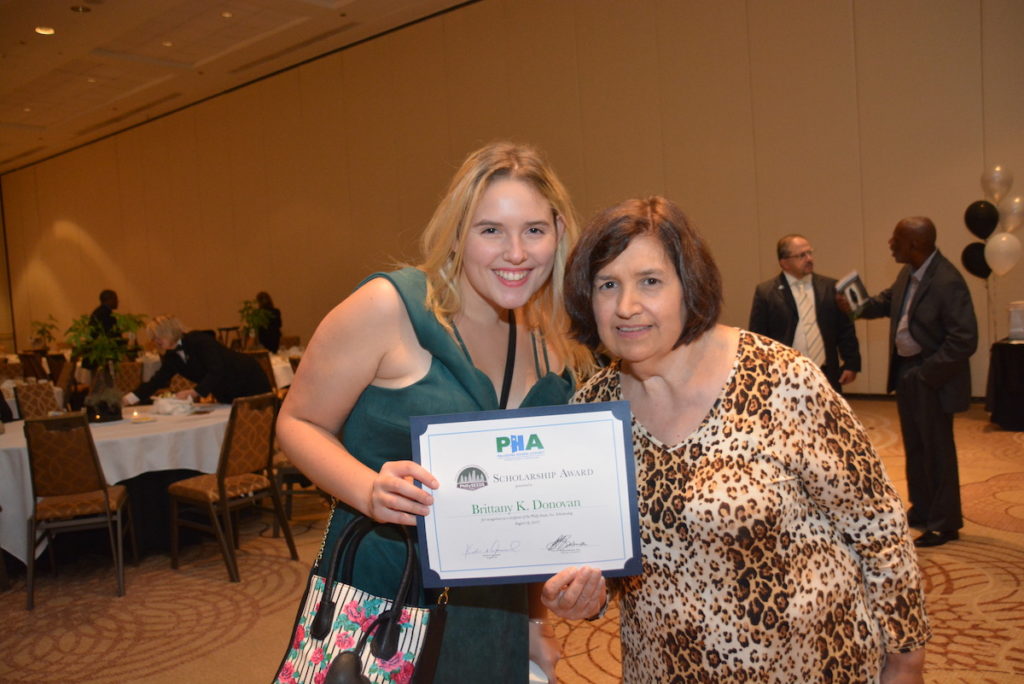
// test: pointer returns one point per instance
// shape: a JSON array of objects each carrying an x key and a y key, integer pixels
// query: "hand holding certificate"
[{"x": 526, "y": 492}]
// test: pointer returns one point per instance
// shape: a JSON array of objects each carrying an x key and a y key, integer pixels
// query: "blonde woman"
[{"x": 433, "y": 339}]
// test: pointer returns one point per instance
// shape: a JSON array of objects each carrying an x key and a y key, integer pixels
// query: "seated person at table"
[{"x": 198, "y": 356}]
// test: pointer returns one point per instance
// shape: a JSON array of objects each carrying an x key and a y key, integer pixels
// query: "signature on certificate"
[
  {"x": 493, "y": 550},
  {"x": 566, "y": 544}
]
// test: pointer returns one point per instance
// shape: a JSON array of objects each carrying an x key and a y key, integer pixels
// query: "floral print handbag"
[{"x": 336, "y": 622}]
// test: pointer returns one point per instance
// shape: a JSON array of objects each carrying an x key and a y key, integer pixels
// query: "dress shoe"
[{"x": 933, "y": 538}]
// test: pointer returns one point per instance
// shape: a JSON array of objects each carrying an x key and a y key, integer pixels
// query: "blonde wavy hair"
[{"x": 444, "y": 240}]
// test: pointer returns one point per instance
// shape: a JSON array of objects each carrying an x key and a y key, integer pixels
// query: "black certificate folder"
[{"x": 527, "y": 492}]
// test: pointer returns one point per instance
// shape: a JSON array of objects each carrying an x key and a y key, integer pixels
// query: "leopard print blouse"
[{"x": 774, "y": 546}]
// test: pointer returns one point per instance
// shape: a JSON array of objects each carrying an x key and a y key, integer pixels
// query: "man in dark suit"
[
  {"x": 819, "y": 330},
  {"x": 932, "y": 334},
  {"x": 103, "y": 315},
  {"x": 198, "y": 356}
]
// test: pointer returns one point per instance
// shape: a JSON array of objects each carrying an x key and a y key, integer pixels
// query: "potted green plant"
[
  {"x": 254, "y": 319},
  {"x": 101, "y": 350},
  {"x": 43, "y": 333}
]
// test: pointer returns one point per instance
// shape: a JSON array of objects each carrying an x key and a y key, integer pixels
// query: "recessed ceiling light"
[
  {"x": 45, "y": 30},
  {"x": 167, "y": 43},
  {"x": 81, "y": 8},
  {"x": 90, "y": 80},
  {"x": 226, "y": 14},
  {"x": 26, "y": 109}
]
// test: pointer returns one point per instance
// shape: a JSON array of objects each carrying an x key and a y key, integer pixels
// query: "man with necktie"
[
  {"x": 932, "y": 334},
  {"x": 798, "y": 308}
]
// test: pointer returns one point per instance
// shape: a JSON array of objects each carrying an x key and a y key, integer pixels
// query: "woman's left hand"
[
  {"x": 575, "y": 593},
  {"x": 903, "y": 668},
  {"x": 544, "y": 647}
]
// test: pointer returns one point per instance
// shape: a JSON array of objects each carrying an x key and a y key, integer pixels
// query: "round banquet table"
[{"x": 126, "y": 449}]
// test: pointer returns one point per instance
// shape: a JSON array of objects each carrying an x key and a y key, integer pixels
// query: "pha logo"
[
  {"x": 471, "y": 478},
  {"x": 517, "y": 444}
]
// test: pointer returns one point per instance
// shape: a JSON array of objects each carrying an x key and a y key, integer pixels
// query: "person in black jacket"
[
  {"x": 827, "y": 336},
  {"x": 933, "y": 332},
  {"x": 269, "y": 335},
  {"x": 198, "y": 356}
]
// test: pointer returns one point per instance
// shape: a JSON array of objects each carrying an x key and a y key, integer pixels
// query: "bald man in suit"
[{"x": 932, "y": 333}]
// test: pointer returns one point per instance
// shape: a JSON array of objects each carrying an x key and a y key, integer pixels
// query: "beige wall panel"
[
  {"x": 543, "y": 92},
  {"x": 619, "y": 101},
  {"x": 317, "y": 279},
  {"x": 74, "y": 251},
  {"x": 424, "y": 160},
  {"x": 21, "y": 223},
  {"x": 708, "y": 149},
  {"x": 479, "y": 56},
  {"x": 921, "y": 131},
  {"x": 371, "y": 155},
  {"x": 1003, "y": 85},
  {"x": 806, "y": 134},
  {"x": 184, "y": 272}
]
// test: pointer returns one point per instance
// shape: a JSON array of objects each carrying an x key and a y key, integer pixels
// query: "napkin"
[{"x": 172, "y": 407}]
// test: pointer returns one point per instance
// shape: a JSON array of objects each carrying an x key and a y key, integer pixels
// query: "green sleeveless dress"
[{"x": 485, "y": 638}]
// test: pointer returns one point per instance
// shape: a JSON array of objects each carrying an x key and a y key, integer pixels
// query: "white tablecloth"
[
  {"x": 283, "y": 372},
  {"x": 126, "y": 449}
]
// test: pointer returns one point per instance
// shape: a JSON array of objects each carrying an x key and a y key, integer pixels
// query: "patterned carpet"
[{"x": 192, "y": 625}]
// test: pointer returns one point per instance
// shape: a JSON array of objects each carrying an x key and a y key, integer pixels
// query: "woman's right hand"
[{"x": 394, "y": 496}]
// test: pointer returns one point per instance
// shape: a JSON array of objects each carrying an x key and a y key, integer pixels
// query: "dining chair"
[
  {"x": 70, "y": 492},
  {"x": 127, "y": 375},
  {"x": 180, "y": 382},
  {"x": 262, "y": 357},
  {"x": 35, "y": 399},
  {"x": 32, "y": 365},
  {"x": 56, "y": 363},
  {"x": 5, "y": 582},
  {"x": 65, "y": 382},
  {"x": 244, "y": 477},
  {"x": 11, "y": 371}
]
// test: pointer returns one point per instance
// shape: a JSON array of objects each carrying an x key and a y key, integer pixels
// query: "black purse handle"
[{"x": 385, "y": 627}]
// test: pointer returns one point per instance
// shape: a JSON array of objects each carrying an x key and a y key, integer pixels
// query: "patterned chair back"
[
  {"x": 180, "y": 382},
  {"x": 62, "y": 455},
  {"x": 35, "y": 400},
  {"x": 262, "y": 357},
  {"x": 128, "y": 375},
  {"x": 11, "y": 371},
  {"x": 249, "y": 439},
  {"x": 32, "y": 365}
]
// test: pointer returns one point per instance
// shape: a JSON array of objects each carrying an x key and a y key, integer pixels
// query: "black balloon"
[
  {"x": 973, "y": 259},
  {"x": 981, "y": 218}
]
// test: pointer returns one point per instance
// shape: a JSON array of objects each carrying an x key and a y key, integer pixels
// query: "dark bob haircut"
[{"x": 608, "y": 235}]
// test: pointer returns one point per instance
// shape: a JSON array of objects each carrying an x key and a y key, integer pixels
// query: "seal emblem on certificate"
[{"x": 527, "y": 492}]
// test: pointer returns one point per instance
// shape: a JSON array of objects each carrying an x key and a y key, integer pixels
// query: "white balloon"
[
  {"x": 996, "y": 182},
  {"x": 1002, "y": 252},
  {"x": 1011, "y": 213}
]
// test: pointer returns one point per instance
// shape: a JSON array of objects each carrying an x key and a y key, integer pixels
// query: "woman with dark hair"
[
  {"x": 270, "y": 334},
  {"x": 774, "y": 546}
]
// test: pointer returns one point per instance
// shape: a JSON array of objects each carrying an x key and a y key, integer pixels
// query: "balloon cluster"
[{"x": 1000, "y": 252}]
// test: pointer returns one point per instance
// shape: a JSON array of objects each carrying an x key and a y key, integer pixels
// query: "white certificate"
[{"x": 525, "y": 493}]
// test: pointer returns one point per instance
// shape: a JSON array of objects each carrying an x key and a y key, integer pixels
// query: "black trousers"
[{"x": 933, "y": 479}]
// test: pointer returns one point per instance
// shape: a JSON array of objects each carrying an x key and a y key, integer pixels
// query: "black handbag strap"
[{"x": 385, "y": 628}]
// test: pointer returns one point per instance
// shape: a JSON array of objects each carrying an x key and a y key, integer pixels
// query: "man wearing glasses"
[{"x": 798, "y": 308}]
